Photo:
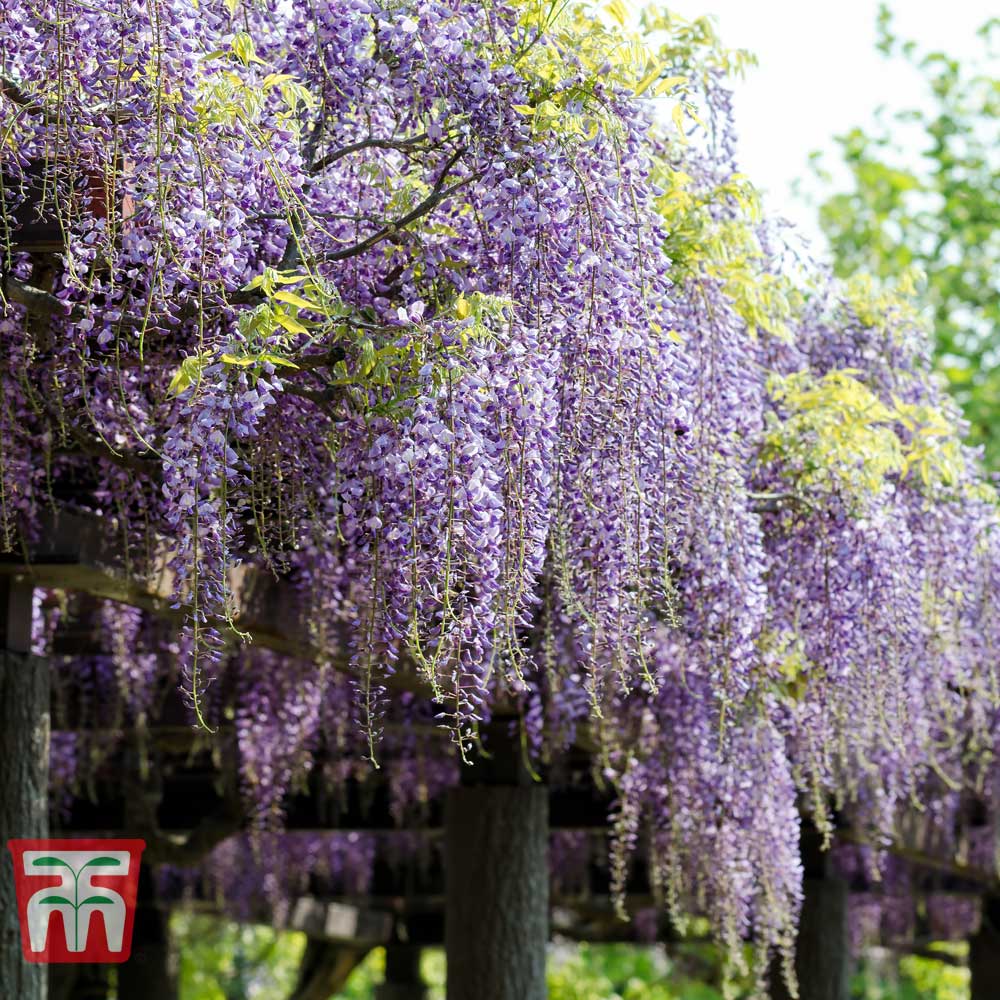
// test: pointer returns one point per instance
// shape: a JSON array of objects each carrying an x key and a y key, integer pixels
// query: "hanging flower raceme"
[{"x": 425, "y": 314}]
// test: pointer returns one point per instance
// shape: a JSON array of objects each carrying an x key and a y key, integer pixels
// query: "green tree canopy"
[{"x": 938, "y": 213}]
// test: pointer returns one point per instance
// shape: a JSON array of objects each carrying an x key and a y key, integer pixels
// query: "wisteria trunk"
[
  {"x": 984, "y": 954},
  {"x": 24, "y": 772},
  {"x": 822, "y": 949},
  {"x": 148, "y": 974},
  {"x": 79, "y": 982},
  {"x": 402, "y": 975},
  {"x": 497, "y": 882}
]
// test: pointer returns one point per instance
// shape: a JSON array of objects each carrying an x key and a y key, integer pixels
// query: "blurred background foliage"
[
  {"x": 223, "y": 960},
  {"x": 923, "y": 195}
]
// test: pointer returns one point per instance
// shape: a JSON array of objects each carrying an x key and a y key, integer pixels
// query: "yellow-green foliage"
[
  {"x": 840, "y": 436},
  {"x": 727, "y": 250},
  {"x": 876, "y": 303},
  {"x": 939, "y": 980},
  {"x": 654, "y": 54},
  {"x": 784, "y": 654},
  {"x": 227, "y": 97},
  {"x": 657, "y": 54}
]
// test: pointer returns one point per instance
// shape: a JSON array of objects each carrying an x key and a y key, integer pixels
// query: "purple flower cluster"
[{"x": 420, "y": 313}]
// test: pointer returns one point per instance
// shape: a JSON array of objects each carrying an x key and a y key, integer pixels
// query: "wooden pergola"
[{"x": 488, "y": 902}]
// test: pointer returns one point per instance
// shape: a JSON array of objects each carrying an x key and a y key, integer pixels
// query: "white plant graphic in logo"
[{"x": 76, "y": 898}]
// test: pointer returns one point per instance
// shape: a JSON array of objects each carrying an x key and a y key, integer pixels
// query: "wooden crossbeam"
[
  {"x": 83, "y": 552},
  {"x": 186, "y": 801},
  {"x": 335, "y": 921}
]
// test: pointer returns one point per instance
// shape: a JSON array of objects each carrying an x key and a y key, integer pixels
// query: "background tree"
[{"x": 939, "y": 212}]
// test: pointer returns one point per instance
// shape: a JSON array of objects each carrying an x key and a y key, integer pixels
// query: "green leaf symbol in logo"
[{"x": 100, "y": 862}]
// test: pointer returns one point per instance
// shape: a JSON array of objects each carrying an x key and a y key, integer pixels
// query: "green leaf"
[
  {"x": 103, "y": 862},
  {"x": 678, "y": 116},
  {"x": 275, "y": 359},
  {"x": 244, "y": 49},
  {"x": 647, "y": 81},
  {"x": 247, "y": 360},
  {"x": 524, "y": 109},
  {"x": 618, "y": 11},
  {"x": 56, "y": 900},
  {"x": 241, "y": 362},
  {"x": 290, "y": 324},
  {"x": 47, "y": 861},
  {"x": 669, "y": 83},
  {"x": 275, "y": 80},
  {"x": 261, "y": 281},
  {"x": 297, "y": 300},
  {"x": 98, "y": 901},
  {"x": 188, "y": 374}
]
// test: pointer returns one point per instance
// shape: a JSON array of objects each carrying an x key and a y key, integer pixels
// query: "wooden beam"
[
  {"x": 82, "y": 552},
  {"x": 188, "y": 799},
  {"x": 418, "y": 920},
  {"x": 339, "y": 922}
]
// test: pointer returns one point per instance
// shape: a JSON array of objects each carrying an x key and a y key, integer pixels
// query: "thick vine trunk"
[
  {"x": 24, "y": 774},
  {"x": 497, "y": 879},
  {"x": 79, "y": 982},
  {"x": 148, "y": 974},
  {"x": 822, "y": 948},
  {"x": 402, "y": 975},
  {"x": 984, "y": 954}
]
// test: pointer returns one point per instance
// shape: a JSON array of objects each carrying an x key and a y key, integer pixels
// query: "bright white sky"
[{"x": 819, "y": 73}]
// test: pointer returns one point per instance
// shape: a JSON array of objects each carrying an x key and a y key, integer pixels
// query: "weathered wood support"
[
  {"x": 984, "y": 953},
  {"x": 822, "y": 949},
  {"x": 24, "y": 774},
  {"x": 341, "y": 923},
  {"x": 325, "y": 969},
  {"x": 402, "y": 974},
  {"x": 496, "y": 876}
]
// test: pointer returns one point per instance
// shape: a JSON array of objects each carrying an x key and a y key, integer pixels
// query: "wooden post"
[
  {"x": 402, "y": 974},
  {"x": 496, "y": 876},
  {"x": 148, "y": 974},
  {"x": 24, "y": 774},
  {"x": 822, "y": 949},
  {"x": 984, "y": 953}
]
